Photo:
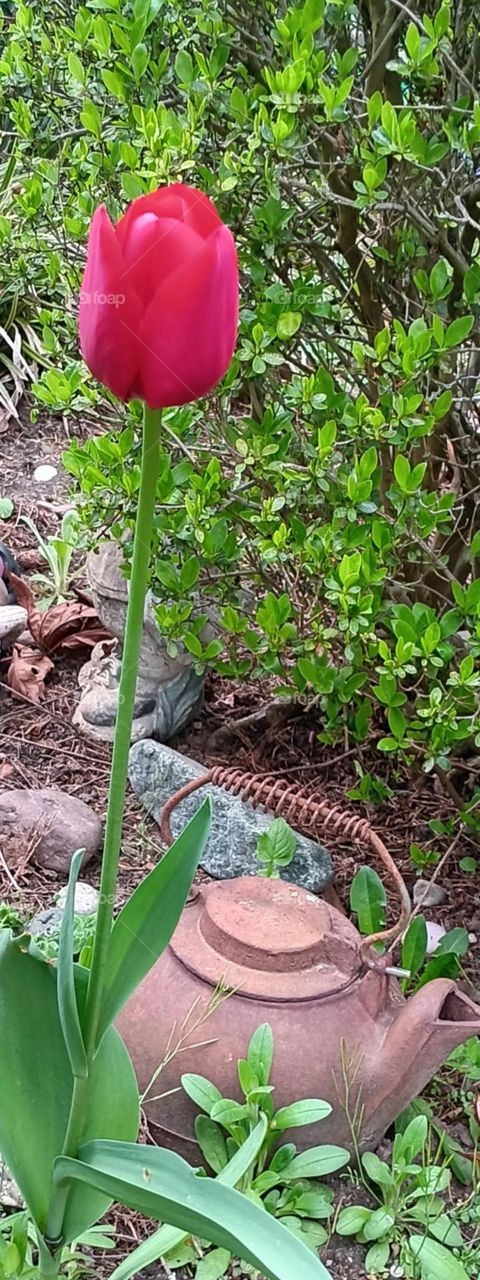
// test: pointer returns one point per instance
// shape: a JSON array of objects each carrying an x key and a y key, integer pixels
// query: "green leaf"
[
  {"x": 140, "y": 59},
  {"x": 288, "y": 323},
  {"x": 379, "y": 1224},
  {"x": 368, "y": 900},
  {"x": 305, "y": 1111},
  {"x": 76, "y": 68},
  {"x": 458, "y": 330},
  {"x": 436, "y": 1262},
  {"x": 352, "y": 1220},
  {"x": 414, "y": 947},
  {"x": 213, "y": 1266},
  {"x": 445, "y": 966},
  {"x": 184, "y": 67},
  {"x": 376, "y": 1169},
  {"x": 455, "y": 942},
  {"x": 401, "y": 471},
  {"x": 202, "y": 1092},
  {"x": 446, "y": 1231},
  {"x": 228, "y": 1112},
  {"x": 162, "y": 1185},
  {"x": 277, "y": 844},
  {"x": 260, "y": 1052},
  {"x": 6, "y": 508},
  {"x": 316, "y": 1162},
  {"x": 146, "y": 923},
  {"x": 168, "y": 1238},
  {"x": 412, "y": 1141},
  {"x": 67, "y": 997},
  {"x": 377, "y": 1257},
  {"x": 211, "y": 1142},
  {"x": 36, "y": 1085}
]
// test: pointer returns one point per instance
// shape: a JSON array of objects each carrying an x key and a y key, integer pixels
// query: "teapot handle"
[{"x": 310, "y": 815}]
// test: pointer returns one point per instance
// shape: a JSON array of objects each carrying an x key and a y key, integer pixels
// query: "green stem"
[
  {"x": 123, "y": 728},
  {"x": 116, "y": 797}
]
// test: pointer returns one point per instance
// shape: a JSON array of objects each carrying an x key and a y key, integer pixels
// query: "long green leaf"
[
  {"x": 435, "y": 1261},
  {"x": 162, "y": 1185},
  {"x": 67, "y": 996},
  {"x": 167, "y": 1238},
  {"x": 36, "y": 1084},
  {"x": 414, "y": 948},
  {"x": 146, "y": 923},
  {"x": 368, "y": 900}
]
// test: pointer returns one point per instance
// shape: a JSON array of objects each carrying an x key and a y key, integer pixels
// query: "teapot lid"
[{"x": 269, "y": 938}]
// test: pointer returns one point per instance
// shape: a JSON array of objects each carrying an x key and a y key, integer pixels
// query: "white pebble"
[
  {"x": 434, "y": 933},
  {"x": 44, "y": 473},
  {"x": 472, "y": 937},
  {"x": 86, "y": 899}
]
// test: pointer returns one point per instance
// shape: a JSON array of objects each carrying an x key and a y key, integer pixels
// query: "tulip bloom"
[{"x": 159, "y": 299}]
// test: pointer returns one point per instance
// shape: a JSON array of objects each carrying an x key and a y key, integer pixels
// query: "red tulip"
[{"x": 159, "y": 299}]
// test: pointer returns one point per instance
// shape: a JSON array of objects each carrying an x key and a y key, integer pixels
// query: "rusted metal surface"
[{"x": 312, "y": 817}]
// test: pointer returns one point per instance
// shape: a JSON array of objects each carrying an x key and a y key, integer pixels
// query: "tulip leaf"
[
  {"x": 162, "y": 1185},
  {"x": 167, "y": 1238},
  {"x": 145, "y": 925},
  {"x": 67, "y": 996},
  {"x": 36, "y": 1084}
]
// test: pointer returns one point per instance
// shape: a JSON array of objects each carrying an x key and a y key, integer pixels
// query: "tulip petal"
[
  {"x": 177, "y": 201},
  {"x": 110, "y": 313},
  {"x": 188, "y": 333},
  {"x": 153, "y": 248}
]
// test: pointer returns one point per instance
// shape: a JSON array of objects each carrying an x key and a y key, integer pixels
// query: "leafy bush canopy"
[{"x": 325, "y": 500}]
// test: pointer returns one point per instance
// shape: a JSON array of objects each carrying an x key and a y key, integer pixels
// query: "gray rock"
[
  {"x": 86, "y": 899},
  {"x": 156, "y": 772},
  {"x": 46, "y": 922},
  {"x": 426, "y": 894},
  {"x": 58, "y": 823},
  {"x": 10, "y": 1197}
]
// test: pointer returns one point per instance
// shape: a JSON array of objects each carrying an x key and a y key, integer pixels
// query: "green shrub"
[{"x": 336, "y": 474}]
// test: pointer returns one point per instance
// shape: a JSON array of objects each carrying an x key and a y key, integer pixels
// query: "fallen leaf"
[
  {"x": 74, "y": 624},
  {"x": 5, "y": 770},
  {"x": 28, "y": 671}
]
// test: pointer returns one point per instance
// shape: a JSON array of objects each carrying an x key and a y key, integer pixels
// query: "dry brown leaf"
[
  {"x": 70, "y": 625},
  {"x": 28, "y": 671}
]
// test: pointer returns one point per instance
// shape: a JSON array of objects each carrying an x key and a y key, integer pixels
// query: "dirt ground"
[{"x": 40, "y": 747}]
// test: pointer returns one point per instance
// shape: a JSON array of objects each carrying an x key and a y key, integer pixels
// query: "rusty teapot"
[{"x": 342, "y": 1029}]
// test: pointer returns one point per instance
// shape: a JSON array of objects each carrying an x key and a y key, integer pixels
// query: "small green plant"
[
  {"x": 276, "y": 848},
  {"x": 285, "y": 1181},
  {"x": 6, "y": 508},
  {"x": 423, "y": 858},
  {"x": 9, "y": 918},
  {"x": 444, "y": 961},
  {"x": 83, "y": 935},
  {"x": 58, "y": 552},
  {"x": 17, "y": 1248},
  {"x": 369, "y": 789},
  {"x": 410, "y": 1212}
]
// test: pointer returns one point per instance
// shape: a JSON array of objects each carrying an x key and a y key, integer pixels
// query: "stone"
[
  {"x": 58, "y": 823},
  {"x": 156, "y": 772},
  {"x": 10, "y": 1196},
  {"x": 12, "y": 619},
  {"x": 169, "y": 690},
  {"x": 435, "y": 933},
  {"x": 44, "y": 473},
  {"x": 46, "y": 922},
  {"x": 85, "y": 902},
  {"x": 426, "y": 894}
]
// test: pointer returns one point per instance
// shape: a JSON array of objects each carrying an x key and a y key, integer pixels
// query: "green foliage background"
[{"x": 336, "y": 472}]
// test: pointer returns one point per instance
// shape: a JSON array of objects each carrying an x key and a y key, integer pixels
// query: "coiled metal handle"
[{"x": 310, "y": 816}]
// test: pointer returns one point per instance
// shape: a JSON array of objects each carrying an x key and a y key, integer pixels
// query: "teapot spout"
[{"x": 425, "y": 1031}]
